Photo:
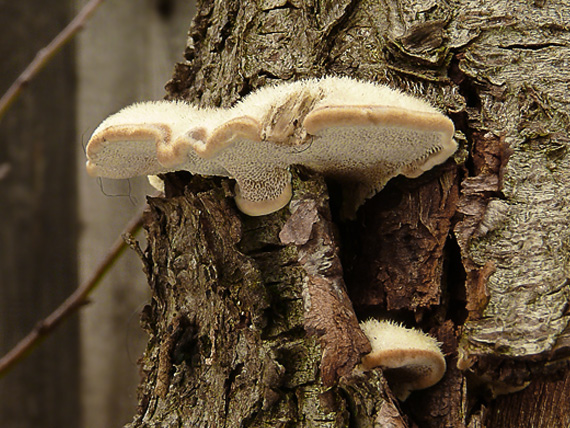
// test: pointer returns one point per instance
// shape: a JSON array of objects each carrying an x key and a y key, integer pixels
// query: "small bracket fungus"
[
  {"x": 359, "y": 133},
  {"x": 411, "y": 359}
]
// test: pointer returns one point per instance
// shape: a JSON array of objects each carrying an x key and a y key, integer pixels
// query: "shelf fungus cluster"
[
  {"x": 410, "y": 358},
  {"x": 360, "y": 133}
]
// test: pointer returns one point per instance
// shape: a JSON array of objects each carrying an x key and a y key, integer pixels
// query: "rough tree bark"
[{"x": 474, "y": 251}]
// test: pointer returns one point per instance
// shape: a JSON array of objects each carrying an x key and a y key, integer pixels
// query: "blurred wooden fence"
[{"x": 56, "y": 223}]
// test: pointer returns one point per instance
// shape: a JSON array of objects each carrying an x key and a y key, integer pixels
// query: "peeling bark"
[
  {"x": 328, "y": 310},
  {"x": 515, "y": 200},
  {"x": 401, "y": 235}
]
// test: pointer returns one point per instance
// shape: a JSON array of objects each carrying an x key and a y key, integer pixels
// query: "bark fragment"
[
  {"x": 397, "y": 262},
  {"x": 328, "y": 310}
]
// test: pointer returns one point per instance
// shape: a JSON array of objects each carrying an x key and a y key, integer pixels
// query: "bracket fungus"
[
  {"x": 411, "y": 359},
  {"x": 360, "y": 133}
]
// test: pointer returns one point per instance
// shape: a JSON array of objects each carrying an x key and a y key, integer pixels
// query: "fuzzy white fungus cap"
[
  {"x": 359, "y": 133},
  {"x": 412, "y": 359}
]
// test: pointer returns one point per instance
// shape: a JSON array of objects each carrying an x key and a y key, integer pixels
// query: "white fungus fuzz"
[
  {"x": 412, "y": 359},
  {"x": 359, "y": 133}
]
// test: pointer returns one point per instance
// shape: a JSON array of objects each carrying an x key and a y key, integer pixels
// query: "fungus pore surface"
[{"x": 359, "y": 133}]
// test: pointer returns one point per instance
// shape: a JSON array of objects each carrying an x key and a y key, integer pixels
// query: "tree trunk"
[{"x": 474, "y": 251}]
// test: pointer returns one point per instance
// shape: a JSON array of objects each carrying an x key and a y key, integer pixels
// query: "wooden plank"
[{"x": 38, "y": 230}]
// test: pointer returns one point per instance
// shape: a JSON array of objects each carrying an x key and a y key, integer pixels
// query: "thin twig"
[
  {"x": 70, "y": 305},
  {"x": 44, "y": 55}
]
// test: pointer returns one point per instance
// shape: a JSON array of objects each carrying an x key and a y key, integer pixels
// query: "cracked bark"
[{"x": 476, "y": 255}]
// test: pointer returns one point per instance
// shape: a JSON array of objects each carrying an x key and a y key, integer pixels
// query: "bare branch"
[
  {"x": 71, "y": 304},
  {"x": 46, "y": 54}
]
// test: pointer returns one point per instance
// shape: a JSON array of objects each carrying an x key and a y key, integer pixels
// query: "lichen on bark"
[{"x": 518, "y": 197}]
